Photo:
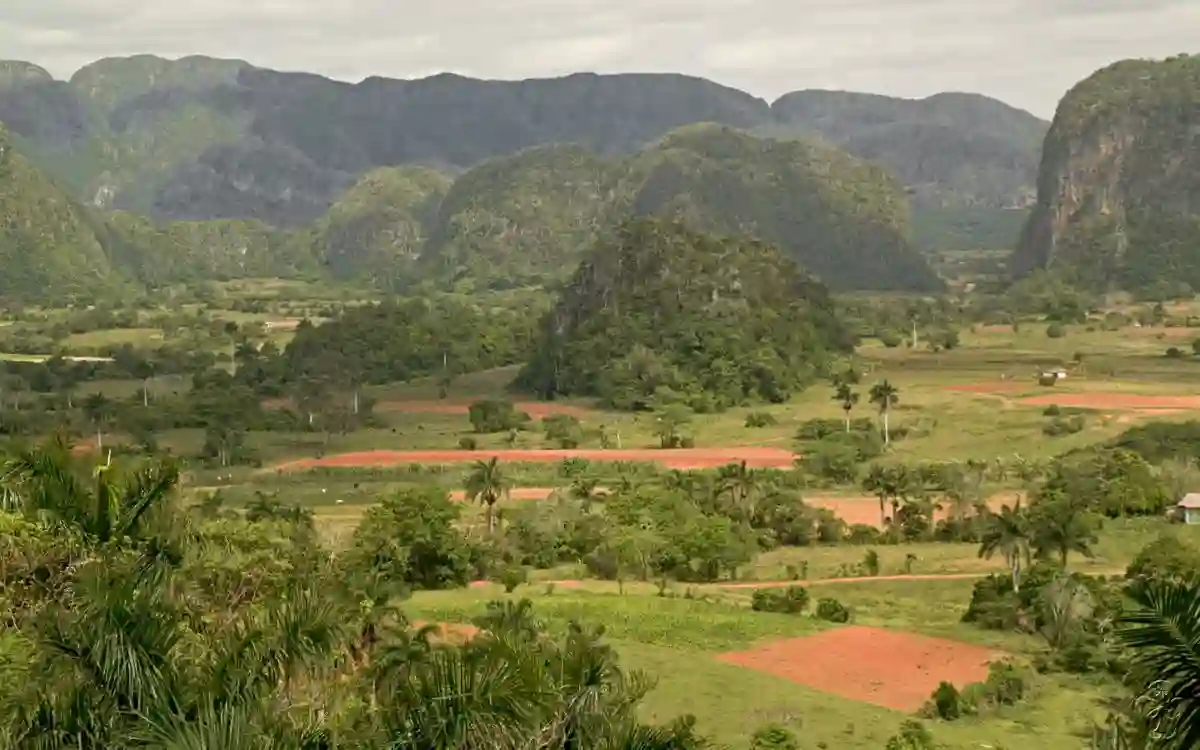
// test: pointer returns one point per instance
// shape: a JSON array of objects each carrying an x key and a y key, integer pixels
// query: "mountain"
[
  {"x": 529, "y": 218},
  {"x": 1119, "y": 187},
  {"x": 523, "y": 218},
  {"x": 201, "y": 138},
  {"x": 378, "y": 229},
  {"x": 841, "y": 218},
  {"x": 49, "y": 246},
  {"x": 659, "y": 314}
]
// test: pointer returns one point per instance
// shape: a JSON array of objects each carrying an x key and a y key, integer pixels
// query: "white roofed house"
[{"x": 1189, "y": 508}]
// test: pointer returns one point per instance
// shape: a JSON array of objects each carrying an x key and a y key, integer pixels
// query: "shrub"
[
  {"x": 1165, "y": 557},
  {"x": 890, "y": 338},
  {"x": 467, "y": 443},
  {"x": 832, "y": 610},
  {"x": 563, "y": 429},
  {"x": 489, "y": 416},
  {"x": 1174, "y": 352},
  {"x": 760, "y": 419},
  {"x": 788, "y": 601},
  {"x": 946, "y": 702},
  {"x": 1056, "y": 330},
  {"x": 512, "y": 576},
  {"x": 870, "y": 563},
  {"x": 1060, "y": 426},
  {"x": 1053, "y": 410},
  {"x": 774, "y": 737}
]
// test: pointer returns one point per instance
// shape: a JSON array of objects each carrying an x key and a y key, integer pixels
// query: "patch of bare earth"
[
  {"x": 882, "y": 667},
  {"x": 449, "y": 632},
  {"x": 1119, "y": 401}
]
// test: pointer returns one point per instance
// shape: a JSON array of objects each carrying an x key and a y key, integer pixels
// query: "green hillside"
[
  {"x": 48, "y": 244},
  {"x": 378, "y": 228},
  {"x": 660, "y": 314}
]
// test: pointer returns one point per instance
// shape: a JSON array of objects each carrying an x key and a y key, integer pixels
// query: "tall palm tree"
[
  {"x": 1163, "y": 637},
  {"x": 741, "y": 484},
  {"x": 1061, "y": 525},
  {"x": 1007, "y": 532},
  {"x": 587, "y": 492},
  {"x": 848, "y": 399},
  {"x": 888, "y": 484},
  {"x": 108, "y": 507},
  {"x": 486, "y": 484},
  {"x": 884, "y": 395}
]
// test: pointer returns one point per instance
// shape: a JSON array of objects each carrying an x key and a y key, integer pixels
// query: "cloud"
[{"x": 1026, "y": 52}]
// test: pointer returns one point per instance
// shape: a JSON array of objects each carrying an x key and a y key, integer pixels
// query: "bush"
[
  {"x": 1060, "y": 426},
  {"x": 467, "y": 443},
  {"x": 1174, "y": 352},
  {"x": 947, "y": 704},
  {"x": 789, "y": 601},
  {"x": 774, "y": 737},
  {"x": 760, "y": 419},
  {"x": 563, "y": 429},
  {"x": 890, "y": 338},
  {"x": 1053, "y": 410},
  {"x": 1165, "y": 557},
  {"x": 490, "y": 416},
  {"x": 512, "y": 576},
  {"x": 1056, "y": 330},
  {"x": 832, "y": 610}
]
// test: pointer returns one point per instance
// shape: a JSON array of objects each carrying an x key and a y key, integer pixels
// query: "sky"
[{"x": 1024, "y": 52}]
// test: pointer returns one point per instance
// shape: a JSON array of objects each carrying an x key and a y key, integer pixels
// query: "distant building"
[{"x": 1189, "y": 508}]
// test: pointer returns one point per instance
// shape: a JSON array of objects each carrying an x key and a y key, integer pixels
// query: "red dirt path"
[
  {"x": 682, "y": 458},
  {"x": 1114, "y": 401},
  {"x": 883, "y": 667}
]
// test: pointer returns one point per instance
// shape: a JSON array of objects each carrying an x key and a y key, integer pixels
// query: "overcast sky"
[{"x": 1025, "y": 52}]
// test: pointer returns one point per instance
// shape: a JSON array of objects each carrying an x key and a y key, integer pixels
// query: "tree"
[
  {"x": 668, "y": 423},
  {"x": 1007, "y": 532},
  {"x": 1060, "y": 525},
  {"x": 108, "y": 507},
  {"x": 486, "y": 484},
  {"x": 848, "y": 399},
  {"x": 884, "y": 395},
  {"x": 888, "y": 484},
  {"x": 742, "y": 485},
  {"x": 99, "y": 411},
  {"x": 1163, "y": 637}
]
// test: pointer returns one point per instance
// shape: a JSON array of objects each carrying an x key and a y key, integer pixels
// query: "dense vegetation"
[
  {"x": 659, "y": 314},
  {"x": 1118, "y": 184}
]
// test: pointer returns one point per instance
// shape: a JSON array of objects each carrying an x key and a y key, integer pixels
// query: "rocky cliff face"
[{"x": 1119, "y": 185}]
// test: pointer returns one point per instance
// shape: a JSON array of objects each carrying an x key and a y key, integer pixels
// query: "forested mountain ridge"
[
  {"x": 659, "y": 314},
  {"x": 201, "y": 138},
  {"x": 529, "y": 218},
  {"x": 1119, "y": 188},
  {"x": 48, "y": 242}
]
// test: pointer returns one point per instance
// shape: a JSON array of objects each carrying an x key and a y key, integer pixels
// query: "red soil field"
[
  {"x": 681, "y": 458},
  {"x": 883, "y": 667},
  {"x": 865, "y": 510},
  {"x": 1114, "y": 401},
  {"x": 450, "y": 632}
]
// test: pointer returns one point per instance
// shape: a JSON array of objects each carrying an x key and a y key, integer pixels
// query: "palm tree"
[
  {"x": 1163, "y": 637},
  {"x": 1007, "y": 532},
  {"x": 586, "y": 492},
  {"x": 885, "y": 396},
  {"x": 888, "y": 484},
  {"x": 741, "y": 484},
  {"x": 848, "y": 398},
  {"x": 487, "y": 484},
  {"x": 1060, "y": 526},
  {"x": 109, "y": 507}
]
